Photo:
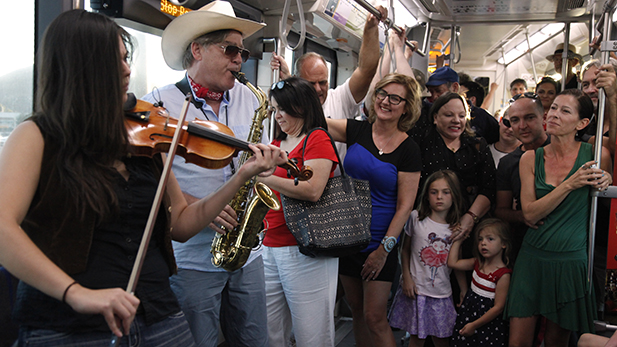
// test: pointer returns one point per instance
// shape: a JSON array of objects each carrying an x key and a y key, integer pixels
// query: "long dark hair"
[
  {"x": 79, "y": 101},
  {"x": 298, "y": 99},
  {"x": 458, "y": 203}
]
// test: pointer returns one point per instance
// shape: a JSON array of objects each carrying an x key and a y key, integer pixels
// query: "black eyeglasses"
[
  {"x": 231, "y": 51},
  {"x": 382, "y": 95},
  {"x": 506, "y": 122},
  {"x": 526, "y": 95},
  {"x": 278, "y": 85}
]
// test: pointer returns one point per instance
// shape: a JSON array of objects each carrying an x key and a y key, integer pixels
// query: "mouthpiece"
[{"x": 240, "y": 77}]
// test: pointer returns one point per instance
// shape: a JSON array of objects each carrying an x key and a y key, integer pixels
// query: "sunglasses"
[
  {"x": 506, "y": 122},
  {"x": 231, "y": 51},
  {"x": 526, "y": 95},
  {"x": 278, "y": 85},
  {"x": 381, "y": 95}
]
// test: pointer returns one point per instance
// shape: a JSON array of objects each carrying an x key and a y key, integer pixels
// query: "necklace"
[{"x": 386, "y": 145}]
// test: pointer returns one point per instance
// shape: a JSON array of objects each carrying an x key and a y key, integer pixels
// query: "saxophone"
[{"x": 251, "y": 202}]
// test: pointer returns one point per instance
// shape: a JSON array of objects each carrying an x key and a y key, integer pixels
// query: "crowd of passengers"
[{"x": 485, "y": 217}]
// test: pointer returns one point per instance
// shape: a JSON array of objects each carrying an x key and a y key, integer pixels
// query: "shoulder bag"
[{"x": 339, "y": 223}]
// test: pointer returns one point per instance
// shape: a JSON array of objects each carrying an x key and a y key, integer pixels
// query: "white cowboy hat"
[
  {"x": 571, "y": 52},
  {"x": 217, "y": 15}
]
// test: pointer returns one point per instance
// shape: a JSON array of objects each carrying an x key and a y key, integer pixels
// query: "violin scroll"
[{"x": 299, "y": 174}]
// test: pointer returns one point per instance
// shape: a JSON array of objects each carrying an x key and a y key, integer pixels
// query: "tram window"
[
  {"x": 148, "y": 68},
  {"x": 16, "y": 64}
]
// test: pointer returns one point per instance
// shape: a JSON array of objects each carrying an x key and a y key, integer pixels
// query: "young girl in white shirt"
[{"x": 423, "y": 303}]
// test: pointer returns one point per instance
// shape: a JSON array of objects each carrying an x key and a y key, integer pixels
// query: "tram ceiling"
[
  {"x": 500, "y": 11},
  {"x": 507, "y": 20},
  {"x": 489, "y": 27}
]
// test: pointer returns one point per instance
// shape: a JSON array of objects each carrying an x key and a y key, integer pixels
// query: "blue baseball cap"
[{"x": 441, "y": 76}]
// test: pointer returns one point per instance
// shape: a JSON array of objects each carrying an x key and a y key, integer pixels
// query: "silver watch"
[{"x": 388, "y": 243}]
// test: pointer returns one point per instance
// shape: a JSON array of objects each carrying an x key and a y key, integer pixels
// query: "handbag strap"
[{"x": 343, "y": 174}]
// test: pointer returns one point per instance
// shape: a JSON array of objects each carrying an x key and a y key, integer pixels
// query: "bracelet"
[
  {"x": 388, "y": 243},
  {"x": 474, "y": 216},
  {"x": 67, "y": 290}
]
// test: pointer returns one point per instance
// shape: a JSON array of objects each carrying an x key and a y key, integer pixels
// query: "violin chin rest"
[{"x": 130, "y": 103}]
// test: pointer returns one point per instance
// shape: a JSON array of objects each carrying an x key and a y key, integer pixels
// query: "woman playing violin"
[{"x": 75, "y": 202}]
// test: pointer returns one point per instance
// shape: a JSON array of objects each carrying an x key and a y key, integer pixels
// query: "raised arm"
[
  {"x": 454, "y": 258},
  {"x": 489, "y": 97},
  {"x": 399, "y": 50},
  {"x": 337, "y": 128},
  {"x": 360, "y": 79},
  {"x": 398, "y": 45},
  {"x": 278, "y": 62}
]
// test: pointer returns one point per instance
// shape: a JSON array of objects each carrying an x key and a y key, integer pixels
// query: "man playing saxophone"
[{"x": 207, "y": 43}]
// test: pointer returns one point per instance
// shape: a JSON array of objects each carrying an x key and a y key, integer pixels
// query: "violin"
[{"x": 207, "y": 144}]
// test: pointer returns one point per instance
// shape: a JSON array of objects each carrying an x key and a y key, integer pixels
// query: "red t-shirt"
[{"x": 318, "y": 146}]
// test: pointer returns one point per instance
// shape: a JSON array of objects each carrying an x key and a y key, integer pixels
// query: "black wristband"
[{"x": 66, "y": 291}]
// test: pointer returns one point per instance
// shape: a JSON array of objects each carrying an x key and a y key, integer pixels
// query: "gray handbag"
[{"x": 339, "y": 223}]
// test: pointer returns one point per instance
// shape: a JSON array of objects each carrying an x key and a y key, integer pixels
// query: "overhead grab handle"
[
  {"x": 389, "y": 24},
  {"x": 283, "y": 25}
]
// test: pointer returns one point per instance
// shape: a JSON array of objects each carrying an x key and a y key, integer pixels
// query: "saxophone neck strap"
[{"x": 185, "y": 88}]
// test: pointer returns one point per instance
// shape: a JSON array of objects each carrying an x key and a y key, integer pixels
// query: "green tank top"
[{"x": 564, "y": 229}]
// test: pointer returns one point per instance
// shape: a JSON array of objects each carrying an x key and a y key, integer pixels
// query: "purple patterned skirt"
[{"x": 423, "y": 316}]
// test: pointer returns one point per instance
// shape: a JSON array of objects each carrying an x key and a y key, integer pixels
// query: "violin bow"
[{"x": 158, "y": 198}]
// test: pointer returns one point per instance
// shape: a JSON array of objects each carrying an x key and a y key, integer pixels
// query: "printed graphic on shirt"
[{"x": 435, "y": 255}]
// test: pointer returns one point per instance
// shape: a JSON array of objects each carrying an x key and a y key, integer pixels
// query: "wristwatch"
[{"x": 388, "y": 243}]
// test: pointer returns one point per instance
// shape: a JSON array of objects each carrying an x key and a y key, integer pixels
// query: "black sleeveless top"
[{"x": 110, "y": 255}]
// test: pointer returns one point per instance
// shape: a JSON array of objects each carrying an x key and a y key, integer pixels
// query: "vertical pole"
[
  {"x": 505, "y": 79},
  {"x": 533, "y": 63},
  {"x": 427, "y": 38},
  {"x": 564, "y": 57},
  {"x": 598, "y": 151},
  {"x": 280, "y": 51},
  {"x": 592, "y": 25},
  {"x": 452, "y": 45}
]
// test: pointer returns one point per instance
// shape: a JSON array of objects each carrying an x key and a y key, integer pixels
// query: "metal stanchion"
[
  {"x": 564, "y": 57},
  {"x": 605, "y": 47}
]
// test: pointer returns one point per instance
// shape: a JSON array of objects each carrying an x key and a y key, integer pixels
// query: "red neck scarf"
[{"x": 204, "y": 93}]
